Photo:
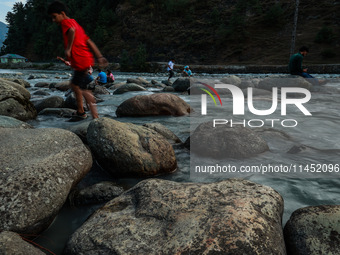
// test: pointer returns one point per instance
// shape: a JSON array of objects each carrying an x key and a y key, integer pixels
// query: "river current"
[{"x": 317, "y": 135}]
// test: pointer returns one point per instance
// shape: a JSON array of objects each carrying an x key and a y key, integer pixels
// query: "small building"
[{"x": 12, "y": 58}]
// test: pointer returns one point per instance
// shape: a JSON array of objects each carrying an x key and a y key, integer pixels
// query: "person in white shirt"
[{"x": 170, "y": 68}]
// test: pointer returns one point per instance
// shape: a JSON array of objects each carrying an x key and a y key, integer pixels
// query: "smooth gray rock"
[
  {"x": 232, "y": 79},
  {"x": 153, "y": 105},
  {"x": 9, "y": 122},
  {"x": 165, "y": 217},
  {"x": 314, "y": 230},
  {"x": 224, "y": 141},
  {"x": 127, "y": 88},
  {"x": 15, "y": 101},
  {"x": 62, "y": 86},
  {"x": 130, "y": 150},
  {"x": 38, "y": 169},
  {"x": 50, "y": 102}
]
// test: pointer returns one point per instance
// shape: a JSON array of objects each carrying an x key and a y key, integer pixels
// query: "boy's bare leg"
[
  {"x": 79, "y": 97},
  {"x": 91, "y": 101}
]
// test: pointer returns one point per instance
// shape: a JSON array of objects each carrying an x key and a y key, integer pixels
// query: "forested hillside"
[{"x": 191, "y": 31}]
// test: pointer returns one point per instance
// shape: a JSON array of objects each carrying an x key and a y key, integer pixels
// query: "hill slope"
[{"x": 228, "y": 32}]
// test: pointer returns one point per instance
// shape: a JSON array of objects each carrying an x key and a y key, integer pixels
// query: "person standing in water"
[{"x": 78, "y": 51}]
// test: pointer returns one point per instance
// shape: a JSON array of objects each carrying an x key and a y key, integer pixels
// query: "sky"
[{"x": 6, "y": 6}]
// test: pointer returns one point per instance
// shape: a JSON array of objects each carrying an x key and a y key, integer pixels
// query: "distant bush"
[
  {"x": 328, "y": 53},
  {"x": 125, "y": 61},
  {"x": 139, "y": 60},
  {"x": 176, "y": 7},
  {"x": 274, "y": 16},
  {"x": 325, "y": 35}
]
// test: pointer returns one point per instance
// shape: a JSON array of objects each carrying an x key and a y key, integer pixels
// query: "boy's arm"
[
  {"x": 70, "y": 35},
  {"x": 93, "y": 47}
]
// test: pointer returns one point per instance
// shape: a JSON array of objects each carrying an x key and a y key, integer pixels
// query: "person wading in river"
[{"x": 78, "y": 47}]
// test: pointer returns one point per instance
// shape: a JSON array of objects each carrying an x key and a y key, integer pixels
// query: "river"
[{"x": 319, "y": 133}]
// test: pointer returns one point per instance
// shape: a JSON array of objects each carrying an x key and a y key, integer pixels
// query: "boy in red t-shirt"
[{"x": 78, "y": 47}]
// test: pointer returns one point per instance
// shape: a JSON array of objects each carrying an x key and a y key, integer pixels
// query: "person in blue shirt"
[
  {"x": 102, "y": 78},
  {"x": 187, "y": 72}
]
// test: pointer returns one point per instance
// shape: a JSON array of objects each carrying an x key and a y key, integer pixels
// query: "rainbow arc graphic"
[{"x": 204, "y": 99}]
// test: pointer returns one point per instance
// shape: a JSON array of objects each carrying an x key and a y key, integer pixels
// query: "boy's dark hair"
[
  {"x": 304, "y": 48},
  {"x": 56, "y": 7}
]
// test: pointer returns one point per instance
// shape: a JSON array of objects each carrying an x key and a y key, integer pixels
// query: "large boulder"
[
  {"x": 50, "y": 102},
  {"x": 314, "y": 230},
  {"x": 126, "y": 149},
  {"x": 153, "y": 105},
  {"x": 224, "y": 141},
  {"x": 12, "y": 244},
  {"x": 9, "y": 122},
  {"x": 38, "y": 169},
  {"x": 15, "y": 101},
  {"x": 165, "y": 217},
  {"x": 181, "y": 84},
  {"x": 127, "y": 88}
]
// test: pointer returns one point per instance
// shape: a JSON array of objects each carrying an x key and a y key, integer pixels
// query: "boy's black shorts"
[
  {"x": 171, "y": 73},
  {"x": 83, "y": 80}
]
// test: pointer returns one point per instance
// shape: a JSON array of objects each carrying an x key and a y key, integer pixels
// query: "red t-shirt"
[{"x": 81, "y": 56}]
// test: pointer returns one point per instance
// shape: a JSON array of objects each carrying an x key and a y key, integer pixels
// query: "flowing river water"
[{"x": 318, "y": 136}]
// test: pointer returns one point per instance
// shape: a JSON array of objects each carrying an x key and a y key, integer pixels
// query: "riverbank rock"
[
  {"x": 21, "y": 82},
  {"x": 287, "y": 81},
  {"x": 38, "y": 169},
  {"x": 314, "y": 230},
  {"x": 50, "y": 102},
  {"x": 95, "y": 194},
  {"x": 153, "y": 105},
  {"x": 15, "y": 101},
  {"x": 9, "y": 122},
  {"x": 181, "y": 84},
  {"x": 12, "y": 244},
  {"x": 224, "y": 141},
  {"x": 42, "y": 85},
  {"x": 60, "y": 112},
  {"x": 232, "y": 79},
  {"x": 100, "y": 90},
  {"x": 126, "y": 149},
  {"x": 62, "y": 86},
  {"x": 127, "y": 88},
  {"x": 139, "y": 81},
  {"x": 165, "y": 217}
]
